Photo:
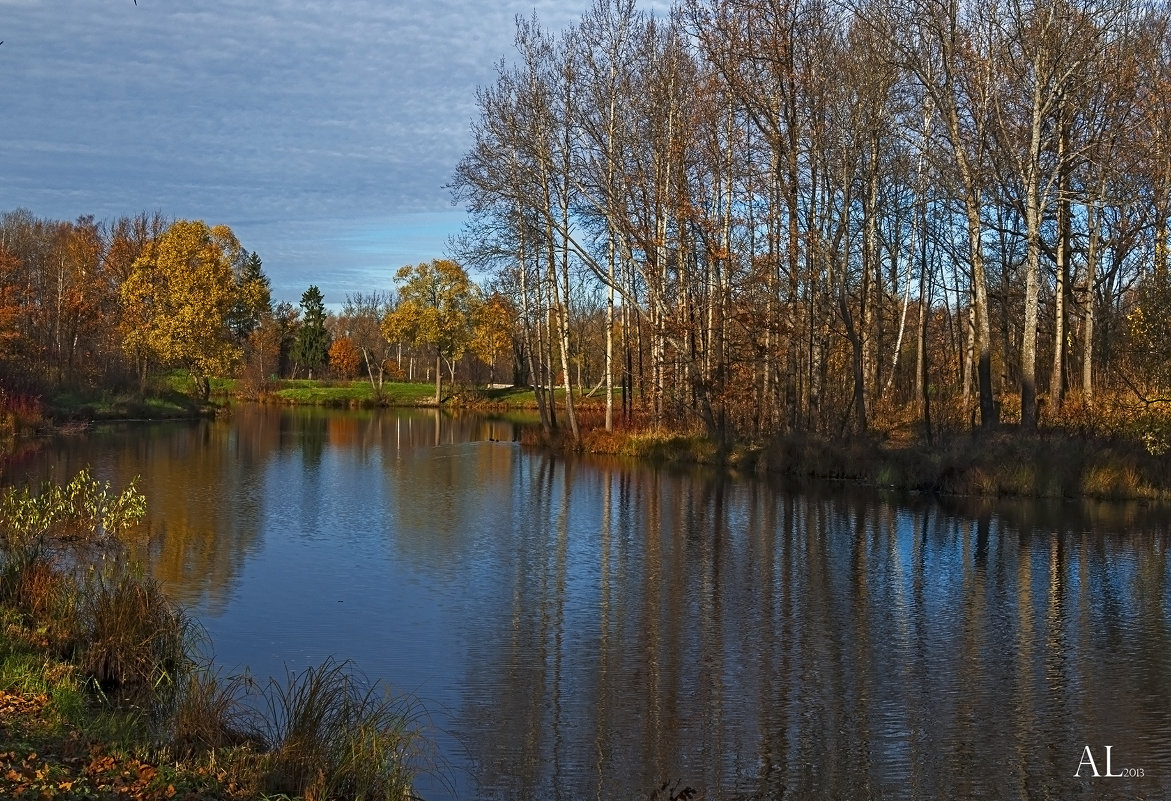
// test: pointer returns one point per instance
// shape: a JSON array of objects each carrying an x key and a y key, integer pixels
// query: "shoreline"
[{"x": 1052, "y": 462}]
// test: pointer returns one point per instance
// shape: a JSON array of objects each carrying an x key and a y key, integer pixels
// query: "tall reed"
[
  {"x": 136, "y": 641},
  {"x": 333, "y": 735}
]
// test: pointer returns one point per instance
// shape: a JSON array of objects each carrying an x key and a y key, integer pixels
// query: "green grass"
[
  {"x": 395, "y": 393},
  {"x": 162, "y": 404}
]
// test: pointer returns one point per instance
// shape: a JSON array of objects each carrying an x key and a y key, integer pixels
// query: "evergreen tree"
[
  {"x": 254, "y": 297},
  {"x": 313, "y": 340}
]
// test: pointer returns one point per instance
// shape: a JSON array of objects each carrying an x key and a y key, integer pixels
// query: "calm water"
[{"x": 586, "y": 629}]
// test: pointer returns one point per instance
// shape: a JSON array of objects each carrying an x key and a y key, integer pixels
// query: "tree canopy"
[
  {"x": 178, "y": 298},
  {"x": 437, "y": 304}
]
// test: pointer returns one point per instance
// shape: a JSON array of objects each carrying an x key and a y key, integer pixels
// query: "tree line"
[
  {"x": 753, "y": 216},
  {"x": 112, "y": 304},
  {"x": 762, "y": 216}
]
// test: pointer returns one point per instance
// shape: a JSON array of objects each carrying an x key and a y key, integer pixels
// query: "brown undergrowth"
[{"x": 1079, "y": 455}]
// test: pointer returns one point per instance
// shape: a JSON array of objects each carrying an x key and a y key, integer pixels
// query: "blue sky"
[{"x": 323, "y": 133}]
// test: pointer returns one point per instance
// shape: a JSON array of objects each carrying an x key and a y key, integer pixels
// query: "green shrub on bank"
[{"x": 83, "y": 509}]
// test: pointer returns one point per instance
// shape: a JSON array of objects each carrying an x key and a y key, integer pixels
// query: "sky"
[{"x": 323, "y": 133}]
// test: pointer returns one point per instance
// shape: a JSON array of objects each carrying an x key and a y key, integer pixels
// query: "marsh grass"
[
  {"x": 1050, "y": 463},
  {"x": 331, "y": 734},
  {"x": 136, "y": 641},
  {"x": 210, "y": 712}
]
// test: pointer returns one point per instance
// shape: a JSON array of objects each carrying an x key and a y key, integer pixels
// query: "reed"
[
  {"x": 333, "y": 735},
  {"x": 210, "y": 712},
  {"x": 136, "y": 642}
]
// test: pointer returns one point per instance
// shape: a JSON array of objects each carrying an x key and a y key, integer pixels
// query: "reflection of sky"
[{"x": 736, "y": 637}]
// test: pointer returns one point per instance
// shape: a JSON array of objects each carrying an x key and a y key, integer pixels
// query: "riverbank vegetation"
[
  {"x": 104, "y": 692},
  {"x": 921, "y": 241},
  {"x": 1043, "y": 464}
]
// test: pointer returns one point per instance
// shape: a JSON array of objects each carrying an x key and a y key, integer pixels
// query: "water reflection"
[{"x": 585, "y": 628}]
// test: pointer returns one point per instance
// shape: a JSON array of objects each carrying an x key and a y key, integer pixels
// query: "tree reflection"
[{"x": 755, "y": 643}]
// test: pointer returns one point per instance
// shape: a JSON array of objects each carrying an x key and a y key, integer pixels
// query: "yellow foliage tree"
[
  {"x": 437, "y": 305},
  {"x": 492, "y": 337},
  {"x": 177, "y": 299}
]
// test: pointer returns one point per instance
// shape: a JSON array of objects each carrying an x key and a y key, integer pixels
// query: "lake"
[{"x": 586, "y": 628}]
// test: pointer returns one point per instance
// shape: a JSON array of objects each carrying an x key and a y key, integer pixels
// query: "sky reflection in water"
[{"x": 591, "y": 628}]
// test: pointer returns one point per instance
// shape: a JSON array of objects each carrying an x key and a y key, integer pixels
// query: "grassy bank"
[
  {"x": 398, "y": 393},
  {"x": 103, "y": 692},
  {"x": 1048, "y": 464}
]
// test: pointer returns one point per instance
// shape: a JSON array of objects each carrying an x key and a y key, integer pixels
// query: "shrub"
[
  {"x": 83, "y": 509},
  {"x": 36, "y": 527},
  {"x": 20, "y": 412}
]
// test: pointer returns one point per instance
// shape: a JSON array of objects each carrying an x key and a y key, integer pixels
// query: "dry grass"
[
  {"x": 210, "y": 714},
  {"x": 1124, "y": 457},
  {"x": 332, "y": 735},
  {"x": 136, "y": 641}
]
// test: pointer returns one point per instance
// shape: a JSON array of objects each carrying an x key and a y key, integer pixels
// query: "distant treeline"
[{"x": 110, "y": 305}]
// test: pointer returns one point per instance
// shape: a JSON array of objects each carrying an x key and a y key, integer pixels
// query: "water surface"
[{"x": 586, "y": 628}]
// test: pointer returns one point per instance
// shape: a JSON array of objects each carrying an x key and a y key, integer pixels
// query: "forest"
[
  {"x": 746, "y": 217},
  {"x": 814, "y": 215}
]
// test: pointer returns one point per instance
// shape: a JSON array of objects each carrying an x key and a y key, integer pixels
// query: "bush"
[
  {"x": 35, "y": 530},
  {"x": 83, "y": 509}
]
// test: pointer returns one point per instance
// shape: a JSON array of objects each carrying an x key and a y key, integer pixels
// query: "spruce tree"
[{"x": 313, "y": 340}]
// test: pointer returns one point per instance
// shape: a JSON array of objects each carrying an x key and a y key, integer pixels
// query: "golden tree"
[
  {"x": 492, "y": 336},
  {"x": 177, "y": 299},
  {"x": 437, "y": 308}
]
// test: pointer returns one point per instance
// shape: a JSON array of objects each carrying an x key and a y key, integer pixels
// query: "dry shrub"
[
  {"x": 20, "y": 411},
  {"x": 254, "y": 382},
  {"x": 599, "y": 440},
  {"x": 39, "y": 591}
]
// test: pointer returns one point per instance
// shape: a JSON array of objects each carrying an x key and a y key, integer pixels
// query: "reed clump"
[
  {"x": 331, "y": 734},
  {"x": 134, "y": 641}
]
